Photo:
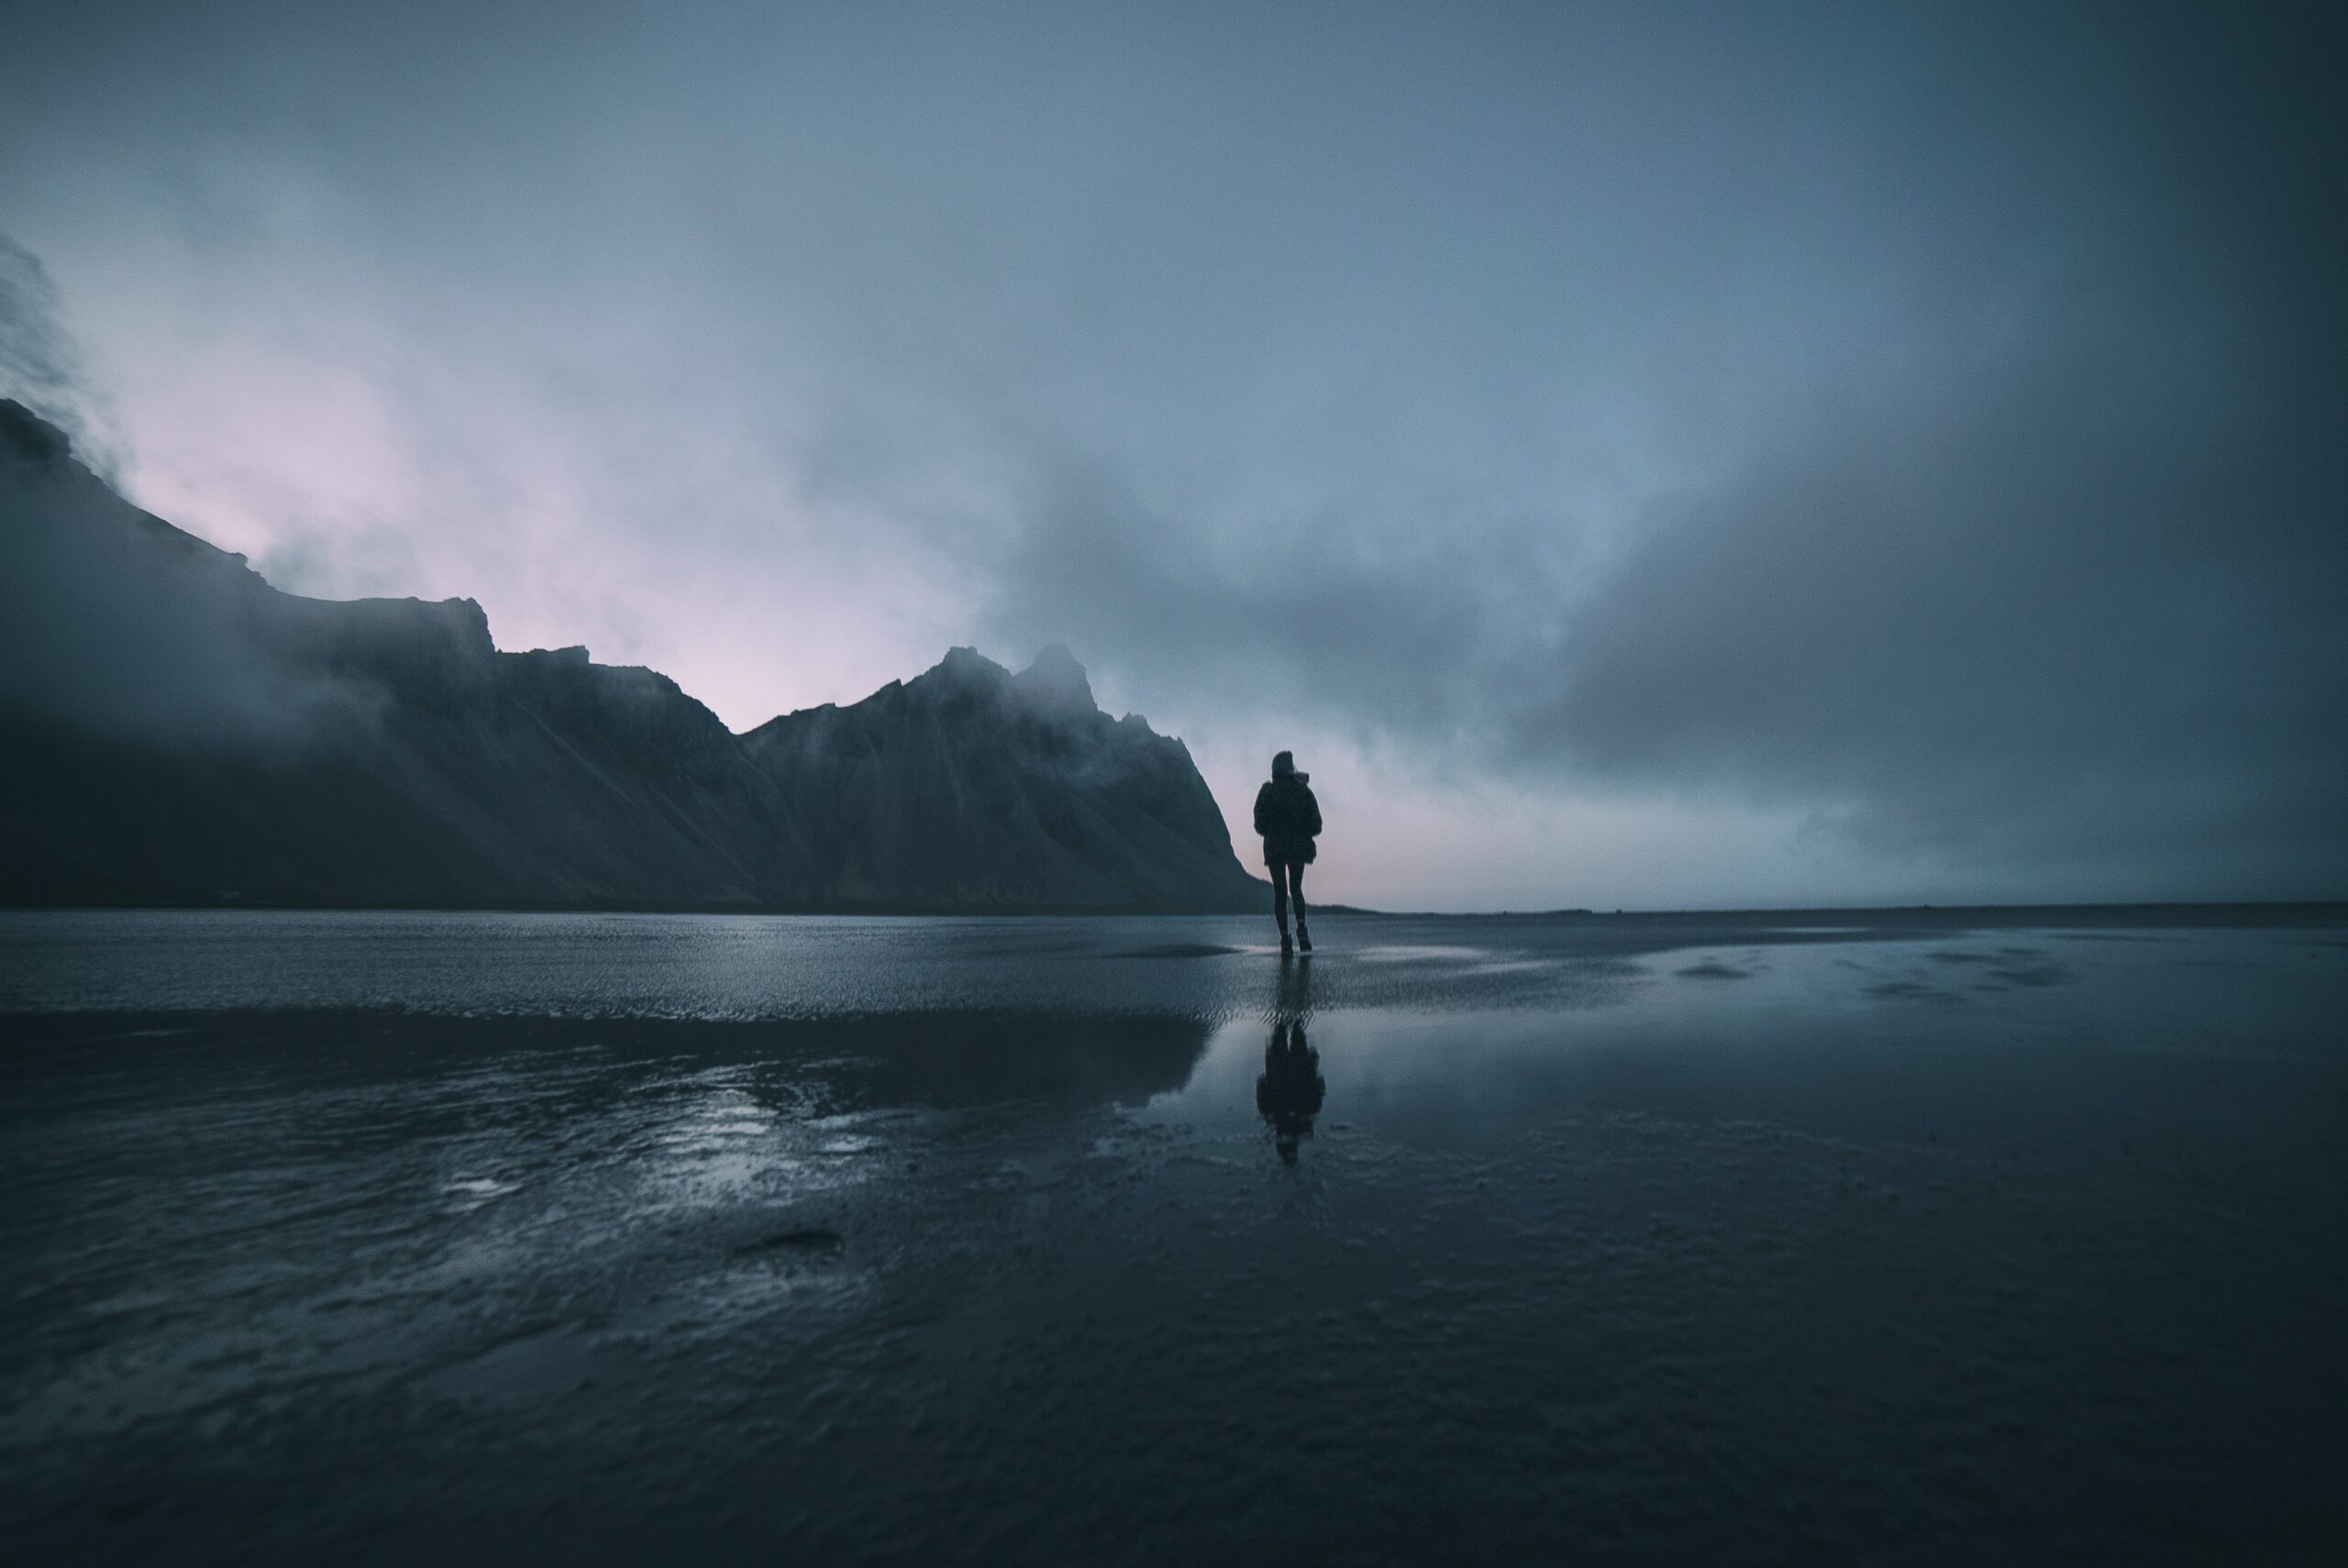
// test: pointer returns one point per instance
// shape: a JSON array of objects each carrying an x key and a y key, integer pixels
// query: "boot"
[
  {"x": 1287, "y": 946},
  {"x": 1303, "y": 937}
]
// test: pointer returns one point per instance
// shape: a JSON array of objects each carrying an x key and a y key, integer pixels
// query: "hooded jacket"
[{"x": 1287, "y": 817}]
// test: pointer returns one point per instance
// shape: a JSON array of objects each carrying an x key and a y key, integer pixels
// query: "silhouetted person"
[
  {"x": 1290, "y": 1092},
  {"x": 1289, "y": 818}
]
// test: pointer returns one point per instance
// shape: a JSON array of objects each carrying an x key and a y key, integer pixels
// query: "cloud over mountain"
[{"x": 176, "y": 730}]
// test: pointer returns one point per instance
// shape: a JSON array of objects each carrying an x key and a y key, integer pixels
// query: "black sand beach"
[{"x": 1917, "y": 1237}]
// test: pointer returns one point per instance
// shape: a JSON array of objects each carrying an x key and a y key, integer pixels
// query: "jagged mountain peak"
[
  {"x": 1055, "y": 680},
  {"x": 1052, "y": 686},
  {"x": 967, "y": 664}
]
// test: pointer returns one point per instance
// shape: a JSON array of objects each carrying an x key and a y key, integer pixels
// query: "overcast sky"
[{"x": 1636, "y": 454}]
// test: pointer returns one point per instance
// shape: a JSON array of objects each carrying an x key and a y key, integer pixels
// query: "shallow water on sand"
[{"x": 602, "y": 1236}]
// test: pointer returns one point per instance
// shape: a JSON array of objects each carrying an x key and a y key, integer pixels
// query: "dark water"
[{"x": 477, "y": 1238}]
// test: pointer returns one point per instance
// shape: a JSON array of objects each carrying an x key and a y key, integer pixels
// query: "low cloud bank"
[{"x": 2048, "y": 583}]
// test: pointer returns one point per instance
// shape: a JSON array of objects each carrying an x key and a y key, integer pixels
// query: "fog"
[{"x": 1634, "y": 456}]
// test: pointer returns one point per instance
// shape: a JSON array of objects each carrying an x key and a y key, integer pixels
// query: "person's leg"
[
  {"x": 1279, "y": 900},
  {"x": 1296, "y": 897}
]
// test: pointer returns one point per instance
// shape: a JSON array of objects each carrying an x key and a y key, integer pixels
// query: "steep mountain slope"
[
  {"x": 172, "y": 729},
  {"x": 990, "y": 787}
]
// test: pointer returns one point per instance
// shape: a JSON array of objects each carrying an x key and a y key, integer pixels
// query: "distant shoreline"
[{"x": 2227, "y": 912}]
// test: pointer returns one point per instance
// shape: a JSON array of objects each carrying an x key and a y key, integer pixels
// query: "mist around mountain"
[{"x": 174, "y": 730}]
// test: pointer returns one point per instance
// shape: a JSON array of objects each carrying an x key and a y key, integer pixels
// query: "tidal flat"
[{"x": 1920, "y": 1236}]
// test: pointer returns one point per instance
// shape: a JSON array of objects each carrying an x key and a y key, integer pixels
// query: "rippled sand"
[{"x": 470, "y": 1237}]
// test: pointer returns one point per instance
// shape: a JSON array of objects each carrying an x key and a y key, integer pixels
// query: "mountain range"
[{"x": 174, "y": 730}]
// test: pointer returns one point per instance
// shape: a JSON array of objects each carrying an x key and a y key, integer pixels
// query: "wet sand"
[{"x": 1911, "y": 1238}]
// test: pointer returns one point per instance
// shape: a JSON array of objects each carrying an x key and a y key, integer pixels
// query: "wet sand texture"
[{"x": 598, "y": 1238}]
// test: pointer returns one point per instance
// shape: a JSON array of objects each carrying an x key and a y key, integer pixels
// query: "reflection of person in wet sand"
[{"x": 1291, "y": 1088}]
